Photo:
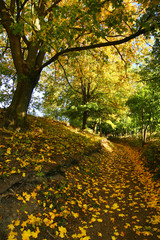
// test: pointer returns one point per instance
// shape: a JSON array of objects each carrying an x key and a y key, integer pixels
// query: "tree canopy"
[{"x": 39, "y": 32}]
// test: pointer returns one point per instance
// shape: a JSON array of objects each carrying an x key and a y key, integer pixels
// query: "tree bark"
[
  {"x": 17, "y": 111},
  {"x": 85, "y": 117}
]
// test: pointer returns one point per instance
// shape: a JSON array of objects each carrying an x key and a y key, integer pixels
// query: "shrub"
[{"x": 151, "y": 159}]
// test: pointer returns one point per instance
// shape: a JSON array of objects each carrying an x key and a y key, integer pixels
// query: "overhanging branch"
[{"x": 98, "y": 45}]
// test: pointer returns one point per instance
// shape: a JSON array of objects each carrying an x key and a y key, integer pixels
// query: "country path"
[
  {"x": 106, "y": 196},
  {"x": 126, "y": 199}
]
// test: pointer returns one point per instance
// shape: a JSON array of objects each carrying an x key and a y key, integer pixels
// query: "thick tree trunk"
[
  {"x": 17, "y": 111},
  {"x": 85, "y": 117}
]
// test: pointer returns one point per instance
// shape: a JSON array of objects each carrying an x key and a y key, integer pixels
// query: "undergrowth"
[{"x": 151, "y": 159}]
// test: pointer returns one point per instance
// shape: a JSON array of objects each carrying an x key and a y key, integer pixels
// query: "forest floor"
[{"x": 60, "y": 183}]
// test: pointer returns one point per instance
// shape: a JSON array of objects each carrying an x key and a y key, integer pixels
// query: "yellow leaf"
[
  {"x": 121, "y": 215},
  {"x": 79, "y": 186},
  {"x": 27, "y": 196},
  {"x": 85, "y": 238},
  {"x": 100, "y": 234},
  {"x": 85, "y": 206},
  {"x": 146, "y": 233},
  {"x": 105, "y": 211},
  {"x": 35, "y": 234},
  {"x": 33, "y": 195},
  {"x": 47, "y": 221},
  {"x": 91, "y": 209},
  {"x": 76, "y": 215},
  {"x": 53, "y": 225},
  {"x": 62, "y": 231},
  {"x": 44, "y": 204},
  {"x": 74, "y": 235},
  {"x": 112, "y": 219},
  {"x": 11, "y": 227},
  {"x": 17, "y": 222},
  {"x": 116, "y": 233},
  {"x": 24, "y": 224},
  {"x": 26, "y": 235},
  {"x": 8, "y": 150},
  {"x": 12, "y": 235},
  {"x": 127, "y": 225},
  {"x": 8, "y": 160},
  {"x": 122, "y": 234},
  {"x": 107, "y": 206},
  {"x": 53, "y": 215},
  {"x": 100, "y": 220},
  {"x": 113, "y": 238},
  {"x": 155, "y": 219},
  {"x": 137, "y": 227},
  {"x": 83, "y": 231},
  {"x": 115, "y": 206},
  {"x": 93, "y": 220}
]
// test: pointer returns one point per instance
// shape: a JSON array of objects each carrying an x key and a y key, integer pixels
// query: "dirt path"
[
  {"x": 125, "y": 210},
  {"x": 107, "y": 196}
]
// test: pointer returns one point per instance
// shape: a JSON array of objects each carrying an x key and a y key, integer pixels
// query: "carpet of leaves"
[{"x": 107, "y": 195}]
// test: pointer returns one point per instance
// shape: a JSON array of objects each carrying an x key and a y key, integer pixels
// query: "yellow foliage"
[{"x": 62, "y": 231}]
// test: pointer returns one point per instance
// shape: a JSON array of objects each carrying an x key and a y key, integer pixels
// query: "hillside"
[{"x": 57, "y": 182}]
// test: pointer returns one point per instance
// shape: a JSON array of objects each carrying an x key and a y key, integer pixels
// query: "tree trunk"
[
  {"x": 145, "y": 134},
  {"x": 150, "y": 135},
  {"x": 136, "y": 133},
  {"x": 100, "y": 127},
  {"x": 95, "y": 127},
  {"x": 17, "y": 111},
  {"x": 85, "y": 117}
]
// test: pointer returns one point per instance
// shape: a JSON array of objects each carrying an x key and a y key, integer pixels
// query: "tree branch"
[
  {"x": 51, "y": 7},
  {"x": 12, "y": 6},
  {"x": 5, "y": 50},
  {"x": 65, "y": 74},
  {"x": 98, "y": 45},
  {"x": 23, "y": 4}
]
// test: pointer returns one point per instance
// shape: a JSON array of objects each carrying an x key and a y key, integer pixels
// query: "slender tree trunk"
[
  {"x": 136, "y": 132},
  {"x": 100, "y": 127},
  {"x": 85, "y": 117},
  {"x": 95, "y": 127},
  {"x": 126, "y": 132},
  {"x": 145, "y": 134},
  {"x": 150, "y": 135},
  {"x": 143, "y": 128},
  {"x": 17, "y": 111}
]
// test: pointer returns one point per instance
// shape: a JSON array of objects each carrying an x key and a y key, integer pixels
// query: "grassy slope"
[{"x": 45, "y": 142}]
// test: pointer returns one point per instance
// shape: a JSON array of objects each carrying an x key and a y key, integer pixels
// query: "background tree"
[
  {"x": 144, "y": 107},
  {"x": 39, "y": 32},
  {"x": 150, "y": 69},
  {"x": 90, "y": 88}
]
